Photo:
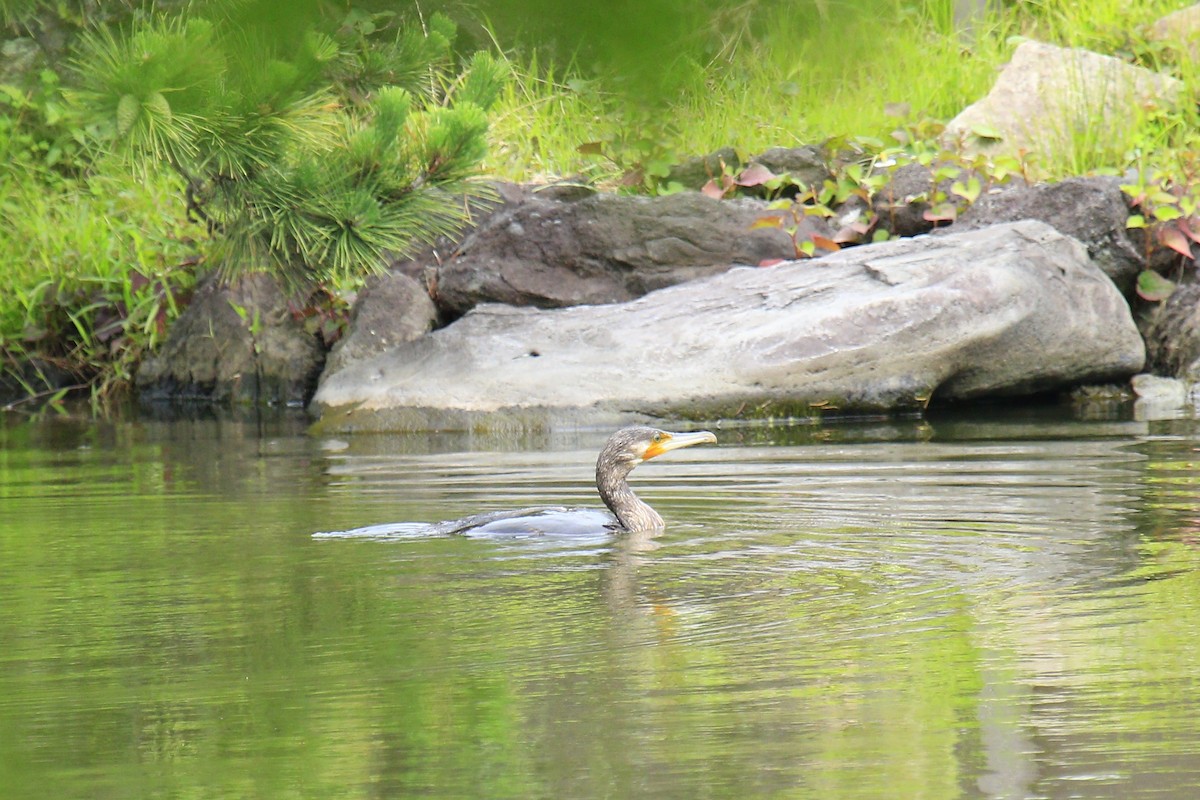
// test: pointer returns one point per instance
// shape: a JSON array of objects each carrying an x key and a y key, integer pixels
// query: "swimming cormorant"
[{"x": 624, "y": 450}]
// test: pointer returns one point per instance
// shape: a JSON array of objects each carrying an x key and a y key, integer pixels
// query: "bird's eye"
[{"x": 658, "y": 437}]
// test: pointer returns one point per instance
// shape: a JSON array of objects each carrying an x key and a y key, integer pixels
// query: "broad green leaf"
[
  {"x": 658, "y": 167},
  {"x": 1167, "y": 213},
  {"x": 968, "y": 191},
  {"x": 1135, "y": 221},
  {"x": 16, "y": 98},
  {"x": 1153, "y": 287},
  {"x": 984, "y": 131},
  {"x": 946, "y": 172}
]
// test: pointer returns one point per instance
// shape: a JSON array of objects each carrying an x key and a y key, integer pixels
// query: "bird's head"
[{"x": 631, "y": 446}]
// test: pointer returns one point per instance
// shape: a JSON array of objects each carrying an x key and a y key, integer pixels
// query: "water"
[{"x": 1001, "y": 607}]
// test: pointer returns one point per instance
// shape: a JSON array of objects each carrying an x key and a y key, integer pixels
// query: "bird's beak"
[{"x": 674, "y": 441}]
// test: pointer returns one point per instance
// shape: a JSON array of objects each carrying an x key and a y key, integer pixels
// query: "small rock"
[
  {"x": 390, "y": 310},
  {"x": 1157, "y": 389},
  {"x": 1160, "y": 398},
  {"x": 807, "y": 165},
  {"x": 699, "y": 170}
]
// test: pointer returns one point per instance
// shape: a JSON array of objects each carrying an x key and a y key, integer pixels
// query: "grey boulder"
[
  {"x": 1008, "y": 310},
  {"x": 1092, "y": 210},
  {"x": 391, "y": 309},
  {"x": 603, "y": 249},
  {"x": 1055, "y": 100},
  {"x": 236, "y": 342}
]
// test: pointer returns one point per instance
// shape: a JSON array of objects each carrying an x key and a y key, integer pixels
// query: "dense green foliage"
[
  {"x": 142, "y": 142},
  {"x": 314, "y": 148},
  {"x": 319, "y": 160},
  {"x": 804, "y": 73}
]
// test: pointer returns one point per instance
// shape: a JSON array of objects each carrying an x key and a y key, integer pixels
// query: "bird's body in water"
[{"x": 624, "y": 450}]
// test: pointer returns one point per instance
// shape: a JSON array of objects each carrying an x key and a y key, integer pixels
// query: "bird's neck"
[{"x": 628, "y": 508}]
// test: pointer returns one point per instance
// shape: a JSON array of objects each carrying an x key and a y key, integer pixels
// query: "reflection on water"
[{"x": 958, "y": 607}]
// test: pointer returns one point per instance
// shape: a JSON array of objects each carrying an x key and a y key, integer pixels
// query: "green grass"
[
  {"x": 91, "y": 273},
  {"x": 803, "y": 73}
]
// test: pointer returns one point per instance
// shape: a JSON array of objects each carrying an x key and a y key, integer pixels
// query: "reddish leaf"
[
  {"x": 1173, "y": 238},
  {"x": 825, "y": 243},
  {"x": 754, "y": 175},
  {"x": 634, "y": 177},
  {"x": 771, "y": 262},
  {"x": 711, "y": 189},
  {"x": 1188, "y": 226}
]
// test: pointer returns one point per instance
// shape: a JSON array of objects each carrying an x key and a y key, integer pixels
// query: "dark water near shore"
[{"x": 999, "y": 606}]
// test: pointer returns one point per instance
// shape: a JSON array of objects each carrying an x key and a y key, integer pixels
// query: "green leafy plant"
[
  {"x": 38, "y": 129},
  {"x": 1167, "y": 212},
  {"x": 312, "y": 148},
  {"x": 861, "y": 186},
  {"x": 95, "y": 273}
]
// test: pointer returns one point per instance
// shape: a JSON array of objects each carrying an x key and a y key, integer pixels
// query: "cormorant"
[{"x": 624, "y": 450}]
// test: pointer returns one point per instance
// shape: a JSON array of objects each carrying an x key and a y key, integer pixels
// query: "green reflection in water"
[{"x": 830, "y": 627}]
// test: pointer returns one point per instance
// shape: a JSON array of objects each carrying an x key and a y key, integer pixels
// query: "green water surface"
[{"x": 1000, "y": 607}]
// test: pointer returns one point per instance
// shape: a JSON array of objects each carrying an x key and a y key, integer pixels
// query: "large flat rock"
[{"x": 1008, "y": 310}]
